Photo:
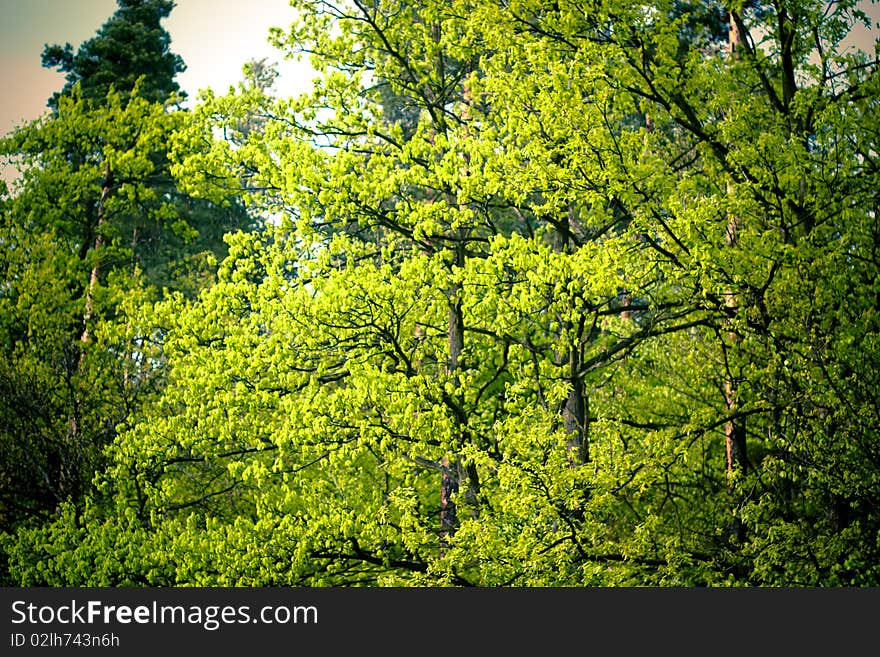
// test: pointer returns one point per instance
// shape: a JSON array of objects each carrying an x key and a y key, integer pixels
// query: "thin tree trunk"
[
  {"x": 99, "y": 242},
  {"x": 448, "y": 512},
  {"x": 455, "y": 471},
  {"x": 450, "y": 472},
  {"x": 575, "y": 413},
  {"x": 734, "y": 428},
  {"x": 68, "y": 479}
]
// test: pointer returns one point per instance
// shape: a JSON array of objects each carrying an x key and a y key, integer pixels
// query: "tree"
[{"x": 130, "y": 45}]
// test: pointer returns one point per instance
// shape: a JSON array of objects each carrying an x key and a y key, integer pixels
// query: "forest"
[{"x": 582, "y": 293}]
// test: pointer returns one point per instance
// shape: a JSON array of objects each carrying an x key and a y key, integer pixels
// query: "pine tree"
[{"x": 130, "y": 45}]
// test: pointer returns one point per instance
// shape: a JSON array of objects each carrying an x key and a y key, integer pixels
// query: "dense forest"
[{"x": 521, "y": 293}]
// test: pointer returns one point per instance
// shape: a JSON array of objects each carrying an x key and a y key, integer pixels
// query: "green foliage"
[{"x": 554, "y": 297}]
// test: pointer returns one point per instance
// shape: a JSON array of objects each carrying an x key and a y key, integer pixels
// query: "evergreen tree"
[{"x": 131, "y": 44}]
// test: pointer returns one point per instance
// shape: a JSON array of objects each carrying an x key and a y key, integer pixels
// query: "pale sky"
[{"x": 214, "y": 38}]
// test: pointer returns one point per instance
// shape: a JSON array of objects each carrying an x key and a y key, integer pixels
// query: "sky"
[{"x": 214, "y": 38}]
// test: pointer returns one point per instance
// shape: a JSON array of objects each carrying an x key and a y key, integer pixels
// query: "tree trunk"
[
  {"x": 450, "y": 472},
  {"x": 575, "y": 413},
  {"x": 99, "y": 242},
  {"x": 68, "y": 477},
  {"x": 448, "y": 515},
  {"x": 735, "y": 427},
  {"x": 455, "y": 471}
]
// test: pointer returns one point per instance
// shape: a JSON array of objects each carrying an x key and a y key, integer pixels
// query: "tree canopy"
[{"x": 573, "y": 294}]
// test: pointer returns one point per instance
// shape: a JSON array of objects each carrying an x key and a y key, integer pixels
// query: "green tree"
[{"x": 130, "y": 45}]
